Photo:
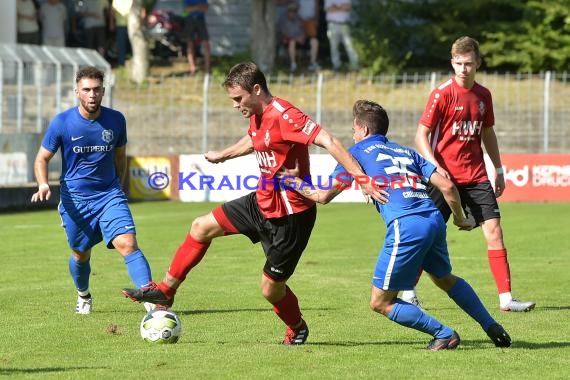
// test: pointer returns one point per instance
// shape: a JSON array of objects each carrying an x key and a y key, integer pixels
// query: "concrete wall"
[{"x": 8, "y": 24}]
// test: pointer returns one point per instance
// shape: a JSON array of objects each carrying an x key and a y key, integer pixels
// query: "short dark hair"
[
  {"x": 90, "y": 72},
  {"x": 372, "y": 115},
  {"x": 246, "y": 75}
]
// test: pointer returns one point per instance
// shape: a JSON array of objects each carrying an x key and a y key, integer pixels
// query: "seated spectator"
[
  {"x": 53, "y": 16},
  {"x": 290, "y": 28},
  {"x": 309, "y": 13}
]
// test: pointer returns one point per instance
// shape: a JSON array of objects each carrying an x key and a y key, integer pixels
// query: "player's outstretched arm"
[
  {"x": 41, "y": 171},
  {"x": 322, "y": 194},
  {"x": 343, "y": 157},
  {"x": 452, "y": 198},
  {"x": 241, "y": 148}
]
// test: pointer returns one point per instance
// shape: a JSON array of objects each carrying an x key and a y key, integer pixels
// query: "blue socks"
[
  {"x": 466, "y": 298},
  {"x": 409, "y": 315},
  {"x": 461, "y": 292},
  {"x": 138, "y": 268},
  {"x": 80, "y": 274}
]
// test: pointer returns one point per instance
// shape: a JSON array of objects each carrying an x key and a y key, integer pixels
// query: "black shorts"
[
  {"x": 478, "y": 201},
  {"x": 195, "y": 28},
  {"x": 283, "y": 239}
]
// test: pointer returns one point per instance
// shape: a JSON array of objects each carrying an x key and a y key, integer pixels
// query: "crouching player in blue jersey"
[
  {"x": 93, "y": 206},
  {"x": 416, "y": 231}
]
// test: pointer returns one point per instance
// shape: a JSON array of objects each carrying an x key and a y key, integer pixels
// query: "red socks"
[
  {"x": 187, "y": 256},
  {"x": 288, "y": 308},
  {"x": 500, "y": 269}
]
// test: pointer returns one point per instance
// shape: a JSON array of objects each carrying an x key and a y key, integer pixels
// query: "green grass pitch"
[{"x": 229, "y": 330}]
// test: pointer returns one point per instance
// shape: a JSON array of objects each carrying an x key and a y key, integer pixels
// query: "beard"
[{"x": 91, "y": 107}]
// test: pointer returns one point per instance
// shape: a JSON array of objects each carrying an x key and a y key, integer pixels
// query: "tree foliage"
[
  {"x": 540, "y": 40},
  {"x": 525, "y": 35}
]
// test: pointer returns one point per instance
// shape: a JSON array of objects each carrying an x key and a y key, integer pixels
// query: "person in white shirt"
[
  {"x": 94, "y": 22},
  {"x": 53, "y": 16},
  {"x": 27, "y": 25},
  {"x": 338, "y": 30}
]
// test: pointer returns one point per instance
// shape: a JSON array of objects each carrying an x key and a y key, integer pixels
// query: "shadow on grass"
[
  {"x": 16, "y": 371},
  {"x": 552, "y": 308},
  {"x": 221, "y": 311},
  {"x": 465, "y": 344},
  {"x": 217, "y": 311},
  {"x": 363, "y": 343}
]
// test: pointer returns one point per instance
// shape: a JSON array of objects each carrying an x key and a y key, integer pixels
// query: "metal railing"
[{"x": 182, "y": 114}]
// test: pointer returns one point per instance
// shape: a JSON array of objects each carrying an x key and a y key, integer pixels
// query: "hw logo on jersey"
[
  {"x": 266, "y": 159},
  {"x": 107, "y": 135},
  {"x": 467, "y": 130}
]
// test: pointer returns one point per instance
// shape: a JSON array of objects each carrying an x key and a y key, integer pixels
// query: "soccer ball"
[{"x": 161, "y": 326}]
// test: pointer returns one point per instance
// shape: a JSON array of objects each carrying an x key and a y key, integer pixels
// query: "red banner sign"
[{"x": 535, "y": 177}]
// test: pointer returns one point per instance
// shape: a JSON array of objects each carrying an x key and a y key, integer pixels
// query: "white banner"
[
  {"x": 199, "y": 180},
  {"x": 13, "y": 168}
]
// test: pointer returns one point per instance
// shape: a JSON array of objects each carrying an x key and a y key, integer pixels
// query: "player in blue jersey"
[
  {"x": 416, "y": 231},
  {"x": 93, "y": 206}
]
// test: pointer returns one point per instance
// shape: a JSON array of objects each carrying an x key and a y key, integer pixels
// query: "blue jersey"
[
  {"x": 87, "y": 150},
  {"x": 193, "y": 2},
  {"x": 399, "y": 170}
]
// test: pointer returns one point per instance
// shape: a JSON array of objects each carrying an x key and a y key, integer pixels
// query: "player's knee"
[
  {"x": 273, "y": 291},
  {"x": 203, "y": 229},
  {"x": 125, "y": 244},
  {"x": 378, "y": 306},
  {"x": 445, "y": 283}
]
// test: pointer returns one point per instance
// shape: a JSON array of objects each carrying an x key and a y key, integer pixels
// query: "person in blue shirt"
[
  {"x": 416, "y": 231},
  {"x": 93, "y": 207},
  {"x": 196, "y": 30}
]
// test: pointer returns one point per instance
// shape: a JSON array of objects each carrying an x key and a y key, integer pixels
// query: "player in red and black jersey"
[
  {"x": 457, "y": 120},
  {"x": 281, "y": 219}
]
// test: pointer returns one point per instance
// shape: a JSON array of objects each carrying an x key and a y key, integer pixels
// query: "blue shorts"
[
  {"x": 412, "y": 242},
  {"x": 88, "y": 222}
]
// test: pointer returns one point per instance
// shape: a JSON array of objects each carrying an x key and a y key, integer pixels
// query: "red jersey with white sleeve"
[
  {"x": 456, "y": 117},
  {"x": 281, "y": 136}
]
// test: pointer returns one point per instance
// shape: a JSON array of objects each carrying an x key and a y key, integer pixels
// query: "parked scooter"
[{"x": 164, "y": 32}]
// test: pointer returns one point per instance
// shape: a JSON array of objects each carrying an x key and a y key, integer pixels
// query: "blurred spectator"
[
  {"x": 53, "y": 16},
  {"x": 309, "y": 13},
  {"x": 281, "y": 7},
  {"x": 195, "y": 29},
  {"x": 93, "y": 14},
  {"x": 280, "y": 11},
  {"x": 290, "y": 28},
  {"x": 28, "y": 27},
  {"x": 338, "y": 18},
  {"x": 118, "y": 23}
]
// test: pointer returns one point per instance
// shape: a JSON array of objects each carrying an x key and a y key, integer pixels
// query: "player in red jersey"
[
  {"x": 281, "y": 219},
  {"x": 459, "y": 117}
]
